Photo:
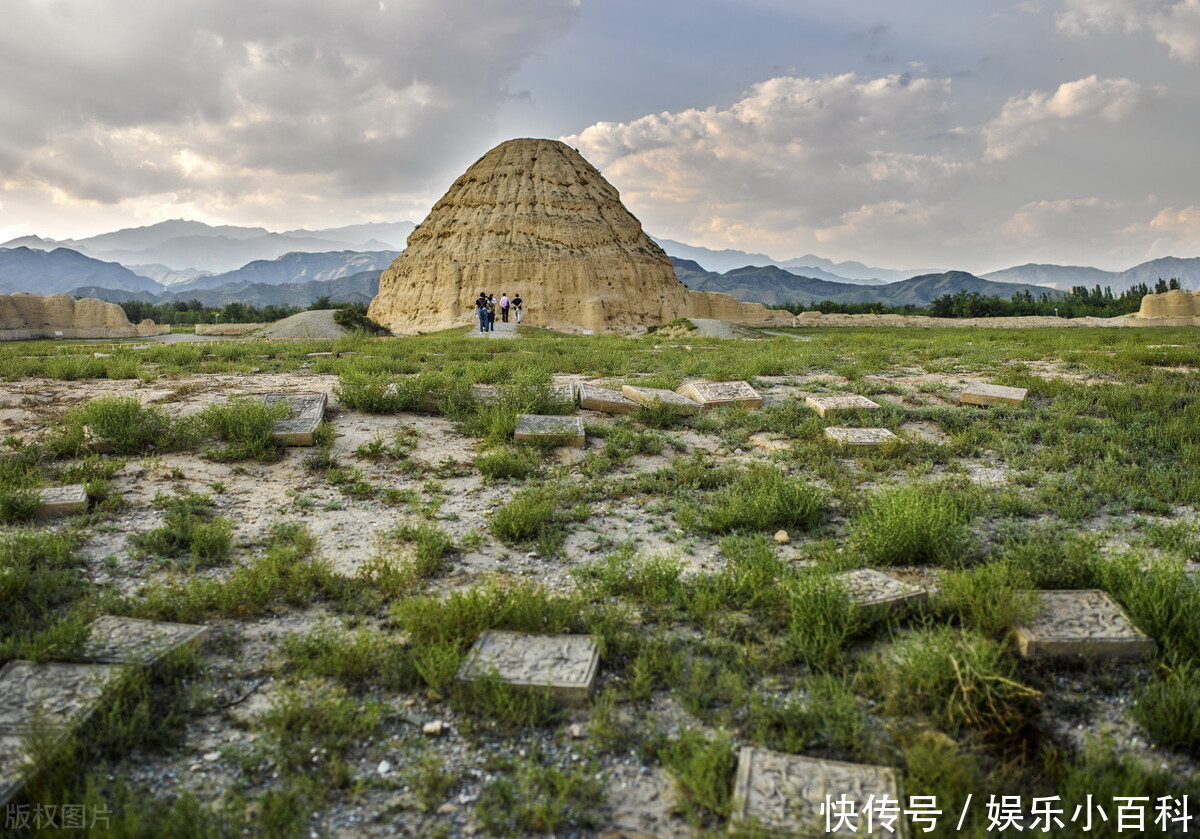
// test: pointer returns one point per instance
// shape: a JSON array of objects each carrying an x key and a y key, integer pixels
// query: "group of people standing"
[{"x": 485, "y": 308}]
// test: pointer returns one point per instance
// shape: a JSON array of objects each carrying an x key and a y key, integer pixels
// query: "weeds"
[
  {"x": 244, "y": 424},
  {"x": 190, "y": 527},
  {"x": 912, "y": 525}
]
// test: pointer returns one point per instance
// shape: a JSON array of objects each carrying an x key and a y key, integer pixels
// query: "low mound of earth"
[
  {"x": 317, "y": 325},
  {"x": 705, "y": 328}
]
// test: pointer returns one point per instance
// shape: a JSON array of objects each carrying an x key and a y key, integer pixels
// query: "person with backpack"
[
  {"x": 481, "y": 311},
  {"x": 516, "y": 305},
  {"x": 504, "y": 302},
  {"x": 491, "y": 314}
]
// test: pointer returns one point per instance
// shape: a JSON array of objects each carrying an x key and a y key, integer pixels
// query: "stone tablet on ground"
[
  {"x": 308, "y": 410},
  {"x": 62, "y": 501},
  {"x": 566, "y": 664},
  {"x": 55, "y": 695},
  {"x": 860, "y": 436},
  {"x": 981, "y": 394},
  {"x": 828, "y": 405},
  {"x": 113, "y": 640},
  {"x": 715, "y": 394},
  {"x": 595, "y": 398},
  {"x": 1085, "y": 623},
  {"x": 561, "y": 431},
  {"x": 648, "y": 397},
  {"x": 869, "y": 588},
  {"x": 784, "y": 794}
]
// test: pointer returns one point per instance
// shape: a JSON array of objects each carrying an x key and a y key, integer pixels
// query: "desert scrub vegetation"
[
  {"x": 244, "y": 425},
  {"x": 127, "y": 427},
  {"x": 913, "y": 525},
  {"x": 190, "y": 528}
]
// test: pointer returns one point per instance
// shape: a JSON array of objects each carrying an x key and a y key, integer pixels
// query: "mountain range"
[
  {"x": 773, "y": 285},
  {"x": 180, "y": 245},
  {"x": 355, "y": 288},
  {"x": 190, "y": 257}
]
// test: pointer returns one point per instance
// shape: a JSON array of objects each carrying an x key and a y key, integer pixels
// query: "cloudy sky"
[{"x": 970, "y": 135}]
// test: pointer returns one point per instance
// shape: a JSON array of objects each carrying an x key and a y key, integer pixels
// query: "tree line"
[
  {"x": 193, "y": 311},
  {"x": 1080, "y": 302}
]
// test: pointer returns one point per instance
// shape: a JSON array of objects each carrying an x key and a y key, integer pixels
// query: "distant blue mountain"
[{"x": 61, "y": 270}]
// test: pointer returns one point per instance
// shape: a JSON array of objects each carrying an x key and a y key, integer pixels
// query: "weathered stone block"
[
  {"x": 1081, "y": 623},
  {"x": 54, "y": 695},
  {"x": 715, "y": 394},
  {"x": 114, "y": 640},
  {"x": 784, "y": 794},
  {"x": 62, "y": 501},
  {"x": 566, "y": 664},
  {"x": 561, "y": 431},
  {"x": 566, "y": 391},
  {"x": 650, "y": 396},
  {"x": 860, "y": 436},
  {"x": 829, "y": 405},
  {"x": 595, "y": 398},
  {"x": 308, "y": 410},
  {"x": 869, "y": 588},
  {"x": 981, "y": 394}
]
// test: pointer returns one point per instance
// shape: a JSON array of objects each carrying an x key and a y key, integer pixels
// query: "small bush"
[
  {"x": 244, "y": 424},
  {"x": 763, "y": 498},
  {"x": 990, "y": 599},
  {"x": 912, "y": 525},
  {"x": 130, "y": 427},
  {"x": 959, "y": 679},
  {"x": 703, "y": 772},
  {"x": 355, "y": 321},
  {"x": 824, "y": 619},
  {"x": 533, "y": 796},
  {"x": 191, "y": 527},
  {"x": 517, "y": 463},
  {"x": 1167, "y": 710}
]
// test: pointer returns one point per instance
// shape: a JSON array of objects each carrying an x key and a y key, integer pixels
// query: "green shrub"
[
  {"x": 912, "y": 525},
  {"x": 763, "y": 498},
  {"x": 129, "y": 427},
  {"x": 532, "y": 796},
  {"x": 703, "y": 771},
  {"x": 506, "y": 462},
  {"x": 991, "y": 598},
  {"x": 244, "y": 424},
  {"x": 823, "y": 620},
  {"x": 190, "y": 527},
  {"x": 1167, "y": 709}
]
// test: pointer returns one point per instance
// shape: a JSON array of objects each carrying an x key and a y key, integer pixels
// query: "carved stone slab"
[
  {"x": 595, "y": 398},
  {"x": 566, "y": 391},
  {"x": 869, "y": 588},
  {"x": 56, "y": 695},
  {"x": 981, "y": 394},
  {"x": 567, "y": 664},
  {"x": 113, "y": 640},
  {"x": 308, "y": 409},
  {"x": 561, "y": 431},
  {"x": 715, "y": 394},
  {"x": 860, "y": 436},
  {"x": 784, "y": 794},
  {"x": 1081, "y": 623},
  {"x": 828, "y": 405},
  {"x": 62, "y": 501},
  {"x": 649, "y": 396}
]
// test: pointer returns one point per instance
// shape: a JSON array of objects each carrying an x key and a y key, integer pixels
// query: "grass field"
[{"x": 347, "y": 582}]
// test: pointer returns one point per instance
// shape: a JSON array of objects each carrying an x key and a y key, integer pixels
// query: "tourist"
[
  {"x": 516, "y": 304},
  {"x": 491, "y": 313},
  {"x": 481, "y": 311},
  {"x": 504, "y": 307}
]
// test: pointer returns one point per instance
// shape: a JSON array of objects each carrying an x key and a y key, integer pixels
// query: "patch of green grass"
[
  {"x": 913, "y": 525},
  {"x": 508, "y": 462},
  {"x": 1167, "y": 709},
  {"x": 129, "y": 427},
  {"x": 762, "y": 498},
  {"x": 539, "y": 514},
  {"x": 244, "y": 425},
  {"x": 359, "y": 660},
  {"x": 41, "y": 577},
  {"x": 827, "y": 717},
  {"x": 531, "y": 795},
  {"x": 190, "y": 527},
  {"x": 823, "y": 620},
  {"x": 990, "y": 598},
  {"x": 958, "y": 679},
  {"x": 702, "y": 768}
]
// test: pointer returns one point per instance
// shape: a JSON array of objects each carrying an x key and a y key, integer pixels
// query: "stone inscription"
[
  {"x": 114, "y": 640},
  {"x": 567, "y": 664},
  {"x": 1081, "y": 623},
  {"x": 784, "y": 793},
  {"x": 827, "y": 405}
]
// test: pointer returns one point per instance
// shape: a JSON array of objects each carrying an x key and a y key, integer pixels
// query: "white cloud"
[
  {"x": 1176, "y": 24},
  {"x": 793, "y": 157},
  {"x": 220, "y": 101},
  {"x": 1028, "y": 120}
]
